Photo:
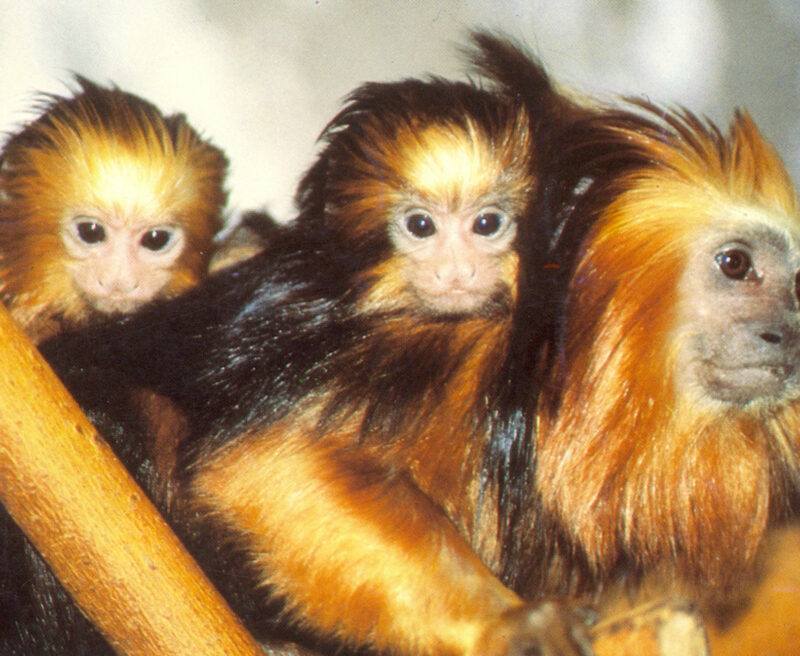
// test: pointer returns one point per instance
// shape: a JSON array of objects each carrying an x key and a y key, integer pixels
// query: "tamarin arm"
[{"x": 362, "y": 555}]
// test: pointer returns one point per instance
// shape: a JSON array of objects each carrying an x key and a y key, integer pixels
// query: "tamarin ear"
[
  {"x": 105, "y": 204},
  {"x": 254, "y": 232}
]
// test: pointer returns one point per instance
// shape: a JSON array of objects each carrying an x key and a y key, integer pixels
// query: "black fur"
[{"x": 546, "y": 264}]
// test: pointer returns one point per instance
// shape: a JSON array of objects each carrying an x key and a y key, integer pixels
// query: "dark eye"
[
  {"x": 488, "y": 224},
  {"x": 420, "y": 224},
  {"x": 156, "y": 240},
  {"x": 735, "y": 263},
  {"x": 90, "y": 232}
]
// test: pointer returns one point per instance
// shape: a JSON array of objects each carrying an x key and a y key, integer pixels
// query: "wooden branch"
[{"x": 97, "y": 530}]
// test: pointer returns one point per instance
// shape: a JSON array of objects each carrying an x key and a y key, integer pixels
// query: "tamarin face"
[
  {"x": 117, "y": 265},
  {"x": 122, "y": 216},
  {"x": 448, "y": 195},
  {"x": 453, "y": 258},
  {"x": 105, "y": 203},
  {"x": 739, "y": 321},
  {"x": 456, "y": 260}
]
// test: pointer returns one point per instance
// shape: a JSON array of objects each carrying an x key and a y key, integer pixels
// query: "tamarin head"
[
  {"x": 670, "y": 430},
  {"x": 105, "y": 203},
  {"x": 424, "y": 182}
]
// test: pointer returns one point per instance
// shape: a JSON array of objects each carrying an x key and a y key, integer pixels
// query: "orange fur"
[
  {"x": 380, "y": 546},
  {"x": 380, "y": 555},
  {"x": 635, "y": 466},
  {"x": 165, "y": 428},
  {"x": 448, "y": 162}
]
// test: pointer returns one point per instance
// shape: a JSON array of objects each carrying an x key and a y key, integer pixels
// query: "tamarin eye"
[
  {"x": 734, "y": 263},
  {"x": 420, "y": 225},
  {"x": 156, "y": 240},
  {"x": 90, "y": 232},
  {"x": 488, "y": 223}
]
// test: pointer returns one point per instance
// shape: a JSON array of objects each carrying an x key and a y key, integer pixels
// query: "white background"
[{"x": 261, "y": 78}]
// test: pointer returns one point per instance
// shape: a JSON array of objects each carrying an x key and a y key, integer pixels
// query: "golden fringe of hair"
[{"x": 633, "y": 469}]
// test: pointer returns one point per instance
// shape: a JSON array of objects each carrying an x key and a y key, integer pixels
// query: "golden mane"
[{"x": 634, "y": 470}]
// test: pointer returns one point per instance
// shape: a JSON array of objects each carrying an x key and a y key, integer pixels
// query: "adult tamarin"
[
  {"x": 698, "y": 256},
  {"x": 105, "y": 204},
  {"x": 341, "y": 390},
  {"x": 665, "y": 455},
  {"x": 668, "y": 429}
]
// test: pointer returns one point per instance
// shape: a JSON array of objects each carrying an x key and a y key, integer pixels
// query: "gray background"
[{"x": 262, "y": 78}]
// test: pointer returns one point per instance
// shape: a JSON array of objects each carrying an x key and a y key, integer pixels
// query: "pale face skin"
[
  {"x": 117, "y": 265},
  {"x": 455, "y": 261},
  {"x": 741, "y": 313}
]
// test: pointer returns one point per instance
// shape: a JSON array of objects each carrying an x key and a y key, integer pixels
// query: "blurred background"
[{"x": 261, "y": 78}]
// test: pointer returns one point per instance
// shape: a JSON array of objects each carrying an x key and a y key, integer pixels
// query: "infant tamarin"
[{"x": 105, "y": 204}]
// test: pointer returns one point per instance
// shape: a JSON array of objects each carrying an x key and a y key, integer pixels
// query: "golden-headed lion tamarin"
[
  {"x": 342, "y": 387},
  {"x": 105, "y": 203},
  {"x": 678, "y": 374},
  {"x": 381, "y": 453},
  {"x": 668, "y": 431}
]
